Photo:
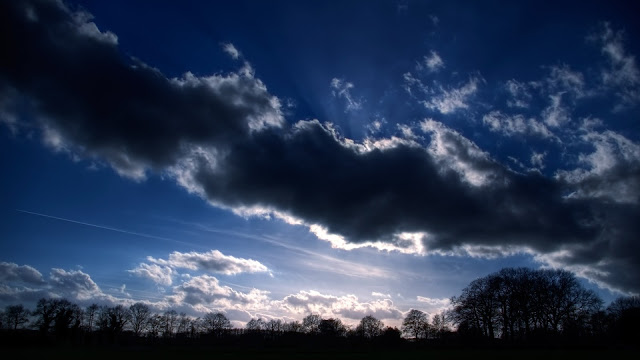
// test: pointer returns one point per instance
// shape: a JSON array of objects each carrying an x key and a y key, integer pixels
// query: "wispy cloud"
[
  {"x": 622, "y": 75},
  {"x": 231, "y": 50},
  {"x": 450, "y": 99},
  {"x": 342, "y": 89},
  {"x": 433, "y": 62}
]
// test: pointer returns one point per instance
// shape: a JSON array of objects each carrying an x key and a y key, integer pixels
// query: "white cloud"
[
  {"x": 449, "y": 100},
  {"x": 231, "y": 50},
  {"x": 433, "y": 305},
  {"x": 455, "y": 152},
  {"x": 88, "y": 28},
  {"x": 555, "y": 115},
  {"x": 206, "y": 290},
  {"x": 564, "y": 80},
  {"x": 211, "y": 261},
  {"x": 433, "y": 62},
  {"x": 342, "y": 89},
  {"x": 406, "y": 243},
  {"x": 74, "y": 284},
  {"x": 520, "y": 95},
  {"x": 11, "y": 272},
  {"x": 515, "y": 125},
  {"x": 379, "y": 294},
  {"x": 622, "y": 75},
  {"x": 159, "y": 274},
  {"x": 345, "y": 307},
  {"x": 604, "y": 175},
  {"x": 537, "y": 159}
]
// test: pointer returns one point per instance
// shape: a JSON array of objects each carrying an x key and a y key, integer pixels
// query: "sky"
[{"x": 276, "y": 159}]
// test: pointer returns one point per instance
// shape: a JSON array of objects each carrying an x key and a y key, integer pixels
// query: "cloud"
[
  {"x": 433, "y": 62},
  {"x": 206, "y": 290},
  {"x": 212, "y": 261},
  {"x": 342, "y": 89},
  {"x": 519, "y": 92},
  {"x": 346, "y": 306},
  {"x": 622, "y": 74},
  {"x": 433, "y": 305},
  {"x": 537, "y": 159},
  {"x": 562, "y": 79},
  {"x": 159, "y": 274},
  {"x": 11, "y": 272},
  {"x": 379, "y": 294},
  {"x": 515, "y": 125},
  {"x": 449, "y": 100},
  {"x": 169, "y": 118},
  {"x": 611, "y": 172},
  {"x": 74, "y": 284},
  {"x": 231, "y": 50},
  {"x": 224, "y": 138}
]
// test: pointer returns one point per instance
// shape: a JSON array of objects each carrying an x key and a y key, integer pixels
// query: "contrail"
[{"x": 99, "y": 226}]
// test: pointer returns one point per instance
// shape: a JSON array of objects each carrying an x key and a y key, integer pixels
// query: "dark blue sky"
[{"x": 345, "y": 158}]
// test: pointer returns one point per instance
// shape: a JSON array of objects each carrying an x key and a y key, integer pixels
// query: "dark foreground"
[{"x": 118, "y": 353}]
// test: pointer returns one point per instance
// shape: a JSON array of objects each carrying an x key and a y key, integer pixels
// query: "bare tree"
[
  {"x": 255, "y": 325},
  {"x": 293, "y": 326},
  {"x": 15, "y": 316},
  {"x": 45, "y": 313},
  {"x": 311, "y": 323},
  {"x": 90, "y": 314},
  {"x": 184, "y": 323},
  {"x": 113, "y": 319},
  {"x": 140, "y": 314},
  {"x": 216, "y": 323}
]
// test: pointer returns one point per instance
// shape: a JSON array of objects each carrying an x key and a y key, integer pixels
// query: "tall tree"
[
  {"x": 216, "y": 323},
  {"x": 140, "y": 314},
  {"x": 311, "y": 323},
  {"x": 514, "y": 303},
  {"x": 369, "y": 327},
  {"x": 91, "y": 314},
  {"x": 415, "y": 324},
  {"x": 15, "y": 316}
]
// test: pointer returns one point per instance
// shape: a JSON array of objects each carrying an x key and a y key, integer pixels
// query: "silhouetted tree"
[
  {"x": 311, "y": 323},
  {"x": 293, "y": 326},
  {"x": 332, "y": 328},
  {"x": 90, "y": 314},
  {"x": 415, "y": 324},
  {"x": 255, "y": 325},
  {"x": 624, "y": 314},
  {"x": 170, "y": 318},
  {"x": 439, "y": 324},
  {"x": 68, "y": 317},
  {"x": 216, "y": 323},
  {"x": 369, "y": 327},
  {"x": 45, "y": 313},
  {"x": 514, "y": 303},
  {"x": 184, "y": 323},
  {"x": 15, "y": 316},
  {"x": 140, "y": 314},
  {"x": 155, "y": 325},
  {"x": 113, "y": 319}
]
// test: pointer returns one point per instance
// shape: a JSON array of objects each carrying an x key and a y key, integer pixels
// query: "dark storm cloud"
[
  {"x": 222, "y": 137},
  {"x": 89, "y": 94}
]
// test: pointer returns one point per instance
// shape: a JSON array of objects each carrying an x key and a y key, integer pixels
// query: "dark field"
[{"x": 281, "y": 353}]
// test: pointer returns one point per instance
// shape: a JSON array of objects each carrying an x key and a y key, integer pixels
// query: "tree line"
[{"x": 514, "y": 305}]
